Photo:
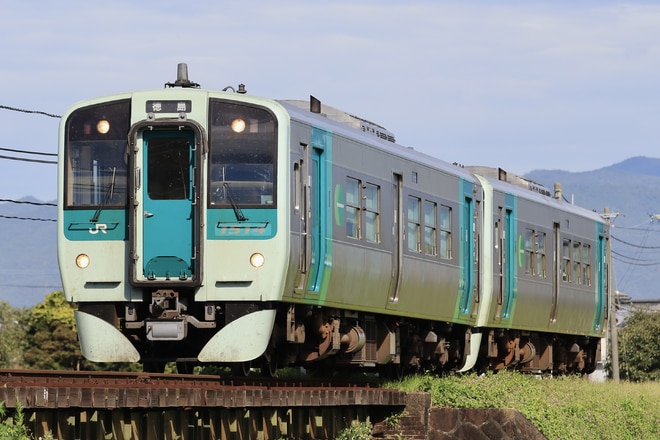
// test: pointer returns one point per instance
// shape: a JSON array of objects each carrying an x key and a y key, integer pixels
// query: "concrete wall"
[{"x": 421, "y": 422}]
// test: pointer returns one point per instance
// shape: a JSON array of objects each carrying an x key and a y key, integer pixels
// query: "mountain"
[
  {"x": 631, "y": 190},
  {"x": 28, "y": 257}
]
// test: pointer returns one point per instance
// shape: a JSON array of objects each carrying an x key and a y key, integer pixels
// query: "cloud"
[{"x": 459, "y": 80}]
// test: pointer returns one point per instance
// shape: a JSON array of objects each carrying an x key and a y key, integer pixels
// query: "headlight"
[
  {"x": 82, "y": 261},
  {"x": 238, "y": 125},
  {"x": 103, "y": 126},
  {"x": 257, "y": 260}
]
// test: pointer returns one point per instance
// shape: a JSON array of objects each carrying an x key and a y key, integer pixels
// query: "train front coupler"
[{"x": 168, "y": 319}]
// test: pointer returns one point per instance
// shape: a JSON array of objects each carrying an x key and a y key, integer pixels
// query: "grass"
[{"x": 564, "y": 408}]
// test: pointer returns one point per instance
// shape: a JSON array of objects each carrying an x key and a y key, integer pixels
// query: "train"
[{"x": 214, "y": 227}]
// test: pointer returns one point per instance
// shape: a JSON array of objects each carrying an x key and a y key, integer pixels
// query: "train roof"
[
  {"x": 504, "y": 182},
  {"x": 345, "y": 124},
  {"x": 356, "y": 127},
  {"x": 371, "y": 133}
]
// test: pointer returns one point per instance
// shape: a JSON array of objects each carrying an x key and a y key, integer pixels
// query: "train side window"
[
  {"x": 445, "y": 232},
  {"x": 529, "y": 252},
  {"x": 586, "y": 264},
  {"x": 576, "y": 273},
  {"x": 430, "y": 227},
  {"x": 566, "y": 260},
  {"x": 539, "y": 248},
  {"x": 414, "y": 204},
  {"x": 535, "y": 253},
  {"x": 371, "y": 212},
  {"x": 352, "y": 208}
]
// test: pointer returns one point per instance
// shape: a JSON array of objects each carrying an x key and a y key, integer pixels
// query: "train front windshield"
[
  {"x": 96, "y": 158},
  {"x": 242, "y": 140},
  {"x": 242, "y": 156}
]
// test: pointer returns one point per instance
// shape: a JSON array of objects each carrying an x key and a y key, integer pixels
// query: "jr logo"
[{"x": 98, "y": 227}]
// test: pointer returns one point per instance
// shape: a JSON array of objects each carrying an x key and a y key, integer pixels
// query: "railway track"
[
  {"x": 150, "y": 380},
  {"x": 90, "y": 405}
]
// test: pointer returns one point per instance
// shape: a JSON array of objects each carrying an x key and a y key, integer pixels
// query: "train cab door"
[{"x": 165, "y": 240}]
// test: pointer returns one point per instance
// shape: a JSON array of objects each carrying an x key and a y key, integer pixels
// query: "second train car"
[{"x": 201, "y": 226}]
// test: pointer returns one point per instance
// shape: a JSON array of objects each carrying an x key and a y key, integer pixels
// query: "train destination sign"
[{"x": 176, "y": 106}]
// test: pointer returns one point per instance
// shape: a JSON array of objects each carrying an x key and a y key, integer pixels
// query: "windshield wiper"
[
  {"x": 237, "y": 210},
  {"x": 108, "y": 195}
]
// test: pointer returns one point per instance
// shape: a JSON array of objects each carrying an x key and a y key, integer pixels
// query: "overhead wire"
[
  {"x": 23, "y": 159},
  {"x": 634, "y": 245},
  {"x": 27, "y": 202},
  {"x": 28, "y": 160},
  {"x": 22, "y": 110},
  {"x": 11, "y": 217},
  {"x": 28, "y": 152},
  {"x": 631, "y": 261}
]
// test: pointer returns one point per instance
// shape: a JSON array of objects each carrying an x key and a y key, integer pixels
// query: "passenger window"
[
  {"x": 576, "y": 274},
  {"x": 566, "y": 260},
  {"x": 539, "y": 248},
  {"x": 430, "y": 227},
  {"x": 586, "y": 265},
  {"x": 414, "y": 224},
  {"x": 445, "y": 232},
  {"x": 529, "y": 252},
  {"x": 371, "y": 213},
  {"x": 352, "y": 208}
]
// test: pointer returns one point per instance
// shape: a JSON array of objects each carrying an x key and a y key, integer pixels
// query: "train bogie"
[{"x": 201, "y": 226}]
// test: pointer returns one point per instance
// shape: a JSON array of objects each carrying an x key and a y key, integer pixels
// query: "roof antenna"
[
  {"x": 182, "y": 78},
  {"x": 314, "y": 104}
]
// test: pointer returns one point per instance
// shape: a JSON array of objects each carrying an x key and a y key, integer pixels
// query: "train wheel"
[
  {"x": 241, "y": 368},
  {"x": 185, "y": 367},
  {"x": 393, "y": 371},
  {"x": 269, "y": 365},
  {"x": 153, "y": 367}
]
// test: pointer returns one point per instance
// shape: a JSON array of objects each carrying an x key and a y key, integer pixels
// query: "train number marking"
[{"x": 242, "y": 230}]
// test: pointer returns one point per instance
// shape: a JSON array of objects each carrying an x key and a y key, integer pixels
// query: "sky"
[{"x": 521, "y": 85}]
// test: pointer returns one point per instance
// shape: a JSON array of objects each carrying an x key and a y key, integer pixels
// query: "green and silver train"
[{"x": 199, "y": 226}]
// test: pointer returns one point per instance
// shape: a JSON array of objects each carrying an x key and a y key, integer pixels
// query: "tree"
[
  {"x": 51, "y": 340},
  {"x": 12, "y": 329},
  {"x": 639, "y": 346}
]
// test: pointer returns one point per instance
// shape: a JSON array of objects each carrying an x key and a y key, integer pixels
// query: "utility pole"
[{"x": 614, "y": 340}]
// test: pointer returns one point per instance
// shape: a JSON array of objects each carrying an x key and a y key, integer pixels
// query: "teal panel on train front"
[
  {"x": 111, "y": 225},
  {"x": 168, "y": 227}
]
